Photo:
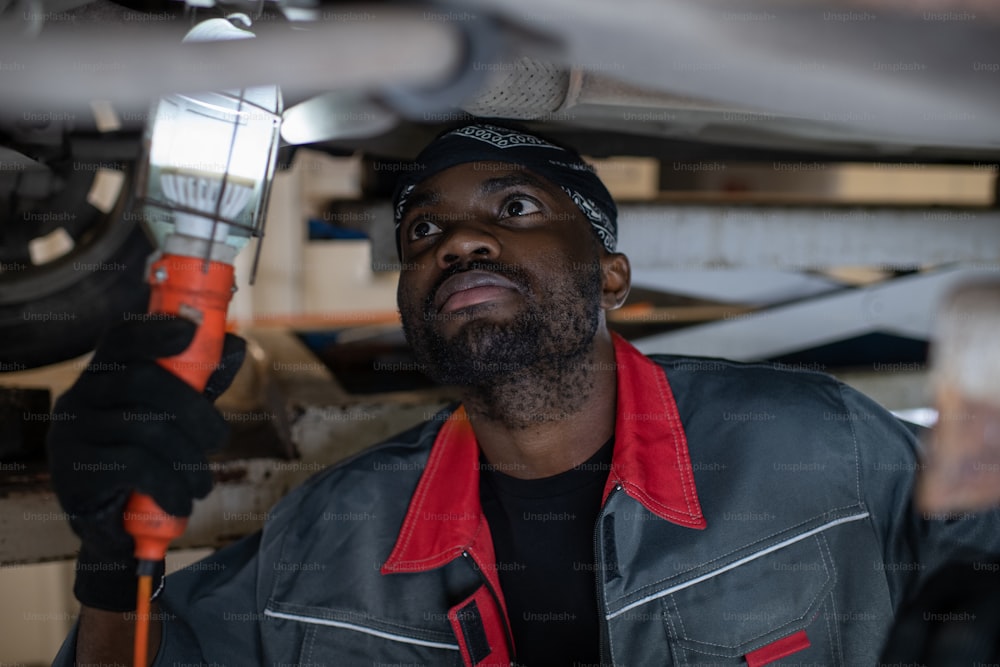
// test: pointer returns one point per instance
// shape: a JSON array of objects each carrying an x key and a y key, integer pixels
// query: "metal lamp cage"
[{"x": 209, "y": 162}]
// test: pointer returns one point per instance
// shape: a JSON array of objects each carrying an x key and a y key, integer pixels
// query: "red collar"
[{"x": 650, "y": 462}]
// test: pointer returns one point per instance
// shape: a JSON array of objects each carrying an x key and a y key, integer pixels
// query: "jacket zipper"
[
  {"x": 605, "y": 655},
  {"x": 496, "y": 600}
]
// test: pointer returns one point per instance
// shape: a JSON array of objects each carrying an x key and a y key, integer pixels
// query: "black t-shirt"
[{"x": 543, "y": 535}]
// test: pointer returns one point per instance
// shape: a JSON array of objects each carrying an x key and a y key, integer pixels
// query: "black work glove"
[{"x": 129, "y": 424}]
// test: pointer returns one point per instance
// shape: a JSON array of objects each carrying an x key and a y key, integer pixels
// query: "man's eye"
[
  {"x": 423, "y": 228},
  {"x": 518, "y": 207}
]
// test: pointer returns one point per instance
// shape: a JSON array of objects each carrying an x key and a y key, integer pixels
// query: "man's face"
[{"x": 500, "y": 274}]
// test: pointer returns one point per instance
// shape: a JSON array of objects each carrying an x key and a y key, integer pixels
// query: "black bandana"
[{"x": 490, "y": 143}]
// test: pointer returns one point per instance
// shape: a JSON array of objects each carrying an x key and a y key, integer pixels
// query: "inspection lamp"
[
  {"x": 209, "y": 162},
  {"x": 203, "y": 184}
]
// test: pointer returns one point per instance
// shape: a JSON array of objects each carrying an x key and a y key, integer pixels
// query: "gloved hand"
[{"x": 129, "y": 424}]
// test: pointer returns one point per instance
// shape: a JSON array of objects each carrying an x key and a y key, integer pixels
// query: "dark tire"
[{"x": 58, "y": 310}]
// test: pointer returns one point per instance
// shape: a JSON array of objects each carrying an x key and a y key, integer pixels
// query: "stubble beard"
[{"x": 531, "y": 370}]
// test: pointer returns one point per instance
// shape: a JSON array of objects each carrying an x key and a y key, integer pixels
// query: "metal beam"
[
  {"x": 785, "y": 237},
  {"x": 903, "y": 306},
  {"x": 66, "y": 67},
  {"x": 745, "y": 286}
]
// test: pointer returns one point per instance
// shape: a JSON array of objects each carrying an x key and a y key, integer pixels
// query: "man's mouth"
[{"x": 470, "y": 288}]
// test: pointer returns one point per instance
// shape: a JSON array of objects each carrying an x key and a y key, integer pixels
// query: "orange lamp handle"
[
  {"x": 181, "y": 286},
  {"x": 151, "y": 527}
]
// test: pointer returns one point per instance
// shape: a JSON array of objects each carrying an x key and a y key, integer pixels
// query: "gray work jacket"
[{"x": 753, "y": 515}]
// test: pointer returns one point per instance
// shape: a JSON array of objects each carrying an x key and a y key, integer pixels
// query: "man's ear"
[{"x": 617, "y": 279}]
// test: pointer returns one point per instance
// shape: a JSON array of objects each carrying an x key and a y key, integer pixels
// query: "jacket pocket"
[
  {"x": 322, "y": 637},
  {"x": 765, "y": 609},
  {"x": 479, "y": 627}
]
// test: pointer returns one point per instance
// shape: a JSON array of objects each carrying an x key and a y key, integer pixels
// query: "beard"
[{"x": 520, "y": 371}]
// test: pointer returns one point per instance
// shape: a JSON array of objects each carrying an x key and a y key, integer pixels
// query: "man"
[{"x": 583, "y": 505}]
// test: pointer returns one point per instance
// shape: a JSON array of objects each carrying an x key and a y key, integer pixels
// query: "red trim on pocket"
[
  {"x": 777, "y": 650},
  {"x": 492, "y": 624}
]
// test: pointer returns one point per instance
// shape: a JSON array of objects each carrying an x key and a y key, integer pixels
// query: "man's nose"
[{"x": 466, "y": 242}]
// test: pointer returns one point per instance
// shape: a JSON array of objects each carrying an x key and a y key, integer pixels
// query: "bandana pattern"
[
  {"x": 500, "y": 137},
  {"x": 401, "y": 200},
  {"x": 598, "y": 219}
]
